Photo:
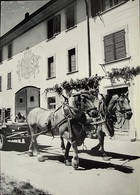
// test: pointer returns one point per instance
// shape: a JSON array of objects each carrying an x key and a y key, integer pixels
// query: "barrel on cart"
[{"x": 14, "y": 131}]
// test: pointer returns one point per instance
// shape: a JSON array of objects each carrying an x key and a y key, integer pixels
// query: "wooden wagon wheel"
[{"x": 3, "y": 141}]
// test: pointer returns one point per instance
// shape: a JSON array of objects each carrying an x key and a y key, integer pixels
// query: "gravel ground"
[{"x": 119, "y": 176}]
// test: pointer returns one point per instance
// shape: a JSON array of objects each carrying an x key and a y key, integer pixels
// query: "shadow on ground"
[
  {"x": 85, "y": 164},
  {"x": 112, "y": 155},
  {"x": 20, "y": 147}
]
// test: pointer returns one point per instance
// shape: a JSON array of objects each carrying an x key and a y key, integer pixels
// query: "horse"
[
  {"x": 109, "y": 108},
  {"x": 68, "y": 119}
]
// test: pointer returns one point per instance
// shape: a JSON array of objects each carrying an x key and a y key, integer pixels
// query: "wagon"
[{"x": 14, "y": 131}]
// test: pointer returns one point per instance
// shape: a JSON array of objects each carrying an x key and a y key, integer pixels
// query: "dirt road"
[{"x": 119, "y": 176}]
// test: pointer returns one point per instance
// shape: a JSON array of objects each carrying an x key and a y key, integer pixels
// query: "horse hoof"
[
  {"x": 30, "y": 154},
  {"x": 75, "y": 163},
  {"x": 67, "y": 163},
  {"x": 41, "y": 159},
  {"x": 106, "y": 158},
  {"x": 63, "y": 151},
  {"x": 75, "y": 166}
]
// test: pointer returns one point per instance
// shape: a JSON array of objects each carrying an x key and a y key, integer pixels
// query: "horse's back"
[{"x": 38, "y": 116}]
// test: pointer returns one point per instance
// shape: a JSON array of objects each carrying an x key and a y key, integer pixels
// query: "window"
[
  {"x": 8, "y": 113},
  {"x": 5, "y": 114},
  {"x": 10, "y": 50},
  {"x": 98, "y": 6},
  {"x": 70, "y": 17},
  {"x": 54, "y": 26},
  {"x": 0, "y": 115},
  {"x": 114, "y": 46},
  {"x": 20, "y": 100},
  {"x": 51, "y": 103},
  {"x": 0, "y": 83},
  {"x": 51, "y": 67},
  {"x": 9, "y": 80},
  {"x": 1, "y": 55},
  {"x": 107, "y": 4},
  {"x": 72, "y": 60},
  {"x": 32, "y": 99}
]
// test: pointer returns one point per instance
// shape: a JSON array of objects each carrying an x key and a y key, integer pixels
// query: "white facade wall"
[
  {"x": 125, "y": 17},
  {"x": 36, "y": 41},
  {"x": 122, "y": 17}
]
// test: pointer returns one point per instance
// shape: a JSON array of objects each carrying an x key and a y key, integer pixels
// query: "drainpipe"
[{"x": 88, "y": 37}]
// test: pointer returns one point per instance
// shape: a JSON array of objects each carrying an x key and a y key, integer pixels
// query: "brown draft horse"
[
  {"x": 109, "y": 109},
  {"x": 68, "y": 119}
]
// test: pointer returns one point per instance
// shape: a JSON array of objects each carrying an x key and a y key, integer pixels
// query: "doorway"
[
  {"x": 26, "y": 99},
  {"x": 121, "y": 128}
]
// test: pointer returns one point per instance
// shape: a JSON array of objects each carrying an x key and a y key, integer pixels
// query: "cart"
[{"x": 14, "y": 131}]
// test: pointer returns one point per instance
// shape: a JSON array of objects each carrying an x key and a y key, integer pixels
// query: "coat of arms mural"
[{"x": 28, "y": 66}]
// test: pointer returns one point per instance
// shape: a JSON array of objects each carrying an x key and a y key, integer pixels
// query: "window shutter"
[
  {"x": 109, "y": 48},
  {"x": 0, "y": 83},
  {"x": 51, "y": 69},
  {"x": 10, "y": 50},
  {"x": 50, "y": 28},
  {"x": 119, "y": 39},
  {"x": 95, "y": 7},
  {"x": 1, "y": 55},
  {"x": 70, "y": 17},
  {"x": 9, "y": 80},
  {"x": 57, "y": 24},
  {"x": 72, "y": 60}
]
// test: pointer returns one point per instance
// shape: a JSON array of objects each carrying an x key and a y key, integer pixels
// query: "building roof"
[{"x": 32, "y": 20}]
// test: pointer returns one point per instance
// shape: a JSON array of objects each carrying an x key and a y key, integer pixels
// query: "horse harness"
[
  {"x": 68, "y": 114},
  {"x": 112, "y": 116}
]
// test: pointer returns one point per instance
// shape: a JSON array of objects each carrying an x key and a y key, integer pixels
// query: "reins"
[{"x": 113, "y": 115}]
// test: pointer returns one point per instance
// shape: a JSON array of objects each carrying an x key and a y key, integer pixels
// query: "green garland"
[{"x": 93, "y": 82}]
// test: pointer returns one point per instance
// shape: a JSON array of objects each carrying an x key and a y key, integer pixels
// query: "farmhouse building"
[{"x": 67, "y": 39}]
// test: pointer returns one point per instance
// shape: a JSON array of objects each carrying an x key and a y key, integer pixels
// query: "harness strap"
[{"x": 68, "y": 118}]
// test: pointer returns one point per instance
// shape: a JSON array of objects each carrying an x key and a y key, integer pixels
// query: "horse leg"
[
  {"x": 31, "y": 147},
  {"x": 66, "y": 155},
  {"x": 62, "y": 143},
  {"x": 33, "y": 144},
  {"x": 101, "y": 136},
  {"x": 75, "y": 159}
]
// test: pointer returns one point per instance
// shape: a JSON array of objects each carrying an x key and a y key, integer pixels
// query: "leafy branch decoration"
[{"x": 93, "y": 82}]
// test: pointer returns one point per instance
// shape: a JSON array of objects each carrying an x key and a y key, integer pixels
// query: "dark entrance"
[
  {"x": 125, "y": 127},
  {"x": 26, "y": 99}
]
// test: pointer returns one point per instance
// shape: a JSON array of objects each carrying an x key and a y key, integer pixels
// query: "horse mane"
[
  {"x": 112, "y": 102},
  {"x": 107, "y": 103}
]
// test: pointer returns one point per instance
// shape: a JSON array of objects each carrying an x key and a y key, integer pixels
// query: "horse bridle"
[
  {"x": 121, "y": 112},
  {"x": 76, "y": 109}
]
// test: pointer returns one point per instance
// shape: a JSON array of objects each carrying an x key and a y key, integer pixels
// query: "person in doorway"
[{"x": 20, "y": 118}]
